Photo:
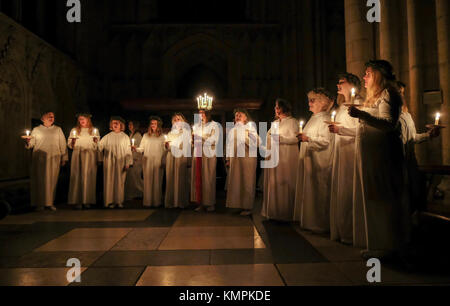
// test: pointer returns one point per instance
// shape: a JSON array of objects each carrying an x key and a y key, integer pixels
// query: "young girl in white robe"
[
  {"x": 279, "y": 181},
  {"x": 134, "y": 183},
  {"x": 152, "y": 148},
  {"x": 117, "y": 159},
  {"x": 241, "y": 160},
  {"x": 203, "y": 174},
  {"x": 177, "y": 171},
  {"x": 83, "y": 168},
  {"x": 312, "y": 196},
  {"x": 341, "y": 206},
  {"x": 49, "y": 153}
]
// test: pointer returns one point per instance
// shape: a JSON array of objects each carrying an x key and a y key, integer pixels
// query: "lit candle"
[
  {"x": 301, "y": 126},
  {"x": 95, "y": 132},
  {"x": 333, "y": 117},
  {"x": 74, "y": 134},
  {"x": 438, "y": 117},
  {"x": 28, "y": 133},
  {"x": 132, "y": 142},
  {"x": 353, "y": 95},
  {"x": 165, "y": 138}
]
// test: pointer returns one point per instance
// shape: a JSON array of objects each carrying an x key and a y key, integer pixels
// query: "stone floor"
[{"x": 180, "y": 247}]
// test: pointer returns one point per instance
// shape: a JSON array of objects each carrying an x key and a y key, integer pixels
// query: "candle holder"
[
  {"x": 28, "y": 135},
  {"x": 432, "y": 126},
  {"x": 332, "y": 123}
]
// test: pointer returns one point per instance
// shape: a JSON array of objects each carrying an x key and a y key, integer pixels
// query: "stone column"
[
  {"x": 415, "y": 72},
  {"x": 443, "y": 32},
  {"x": 358, "y": 36},
  {"x": 388, "y": 33}
]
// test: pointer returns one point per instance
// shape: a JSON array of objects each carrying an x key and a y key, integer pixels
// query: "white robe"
[
  {"x": 83, "y": 168},
  {"x": 49, "y": 151},
  {"x": 312, "y": 197},
  {"x": 134, "y": 184},
  {"x": 177, "y": 174},
  {"x": 116, "y": 148},
  {"x": 210, "y": 134},
  {"x": 341, "y": 203},
  {"x": 410, "y": 138},
  {"x": 153, "y": 165},
  {"x": 279, "y": 182},
  {"x": 379, "y": 189},
  {"x": 241, "y": 180}
]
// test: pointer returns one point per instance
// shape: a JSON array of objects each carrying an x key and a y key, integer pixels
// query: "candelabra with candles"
[{"x": 205, "y": 102}]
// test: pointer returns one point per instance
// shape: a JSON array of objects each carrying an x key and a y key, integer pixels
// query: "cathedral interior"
[{"x": 154, "y": 57}]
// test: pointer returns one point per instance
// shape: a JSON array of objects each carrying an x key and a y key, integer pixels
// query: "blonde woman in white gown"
[
  {"x": 242, "y": 140},
  {"x": 115, "y": 149},
  {"x": 83, "y": 141},
  {"x": 177, "y": 166},
  {"x": 279, "y": 181},
  {"x": 49, "y": 154},
  {"x": 152, "y": 148},
  {"x": 312, "y": 197},
  {"x": 380, "y": 169},
  {"x": 134, "y": 183}
]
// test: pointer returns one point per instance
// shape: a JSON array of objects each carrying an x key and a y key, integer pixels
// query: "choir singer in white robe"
[
  {"x": 49, "y": 153},
  {"x": 83, "y": 141},
  {"x": 177, "y": 163},
  {"x": 411, "y": 138},
  {"x": 312, "y": 196},
  {"x": 204, "y": 162},
  {"x": 279, "y": 181},
  {"x": 134, "y": 183},
  {"x": 152, "y": 148},
  {"x": 380, "y": 169},
  {"x": 341, "y": 206},
  {"x": 117, "y": 159},
  {"x": 241, "y": 160}
]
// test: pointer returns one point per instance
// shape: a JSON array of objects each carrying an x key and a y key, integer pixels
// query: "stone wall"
[{"x": 34, "y": 77}]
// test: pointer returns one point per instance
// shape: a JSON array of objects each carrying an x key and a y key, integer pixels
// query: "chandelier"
[{"x": 205, "y": 102}]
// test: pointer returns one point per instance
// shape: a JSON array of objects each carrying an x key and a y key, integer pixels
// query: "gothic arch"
[{"x": 195, "y": 50}]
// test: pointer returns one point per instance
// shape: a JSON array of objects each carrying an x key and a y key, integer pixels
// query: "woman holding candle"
[
  {"x": 49, "y": 154},
  {"x": 177, "y": 162},
  {"x": 117, "y": 159},
  {"x": 341, "y": 208},
  {"x": 379, "y": 169},
  {"x": 152, "y": 148},
  {"x": 279, "y": 182},
  {"x": 410, "y": 138},
  {"x": 203, "y": 175},
  {"x": 83, "y": 141},
  {"x": 312, "y": 197},
  {"x": 242, "y": 147},
  {"x": 134, "y": 183}
]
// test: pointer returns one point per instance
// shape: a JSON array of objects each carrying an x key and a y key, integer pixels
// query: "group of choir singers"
[{"x": 352, "y": 175}]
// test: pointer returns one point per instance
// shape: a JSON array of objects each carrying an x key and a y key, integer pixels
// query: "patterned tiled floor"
[{"x": 174, "y": 247}]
